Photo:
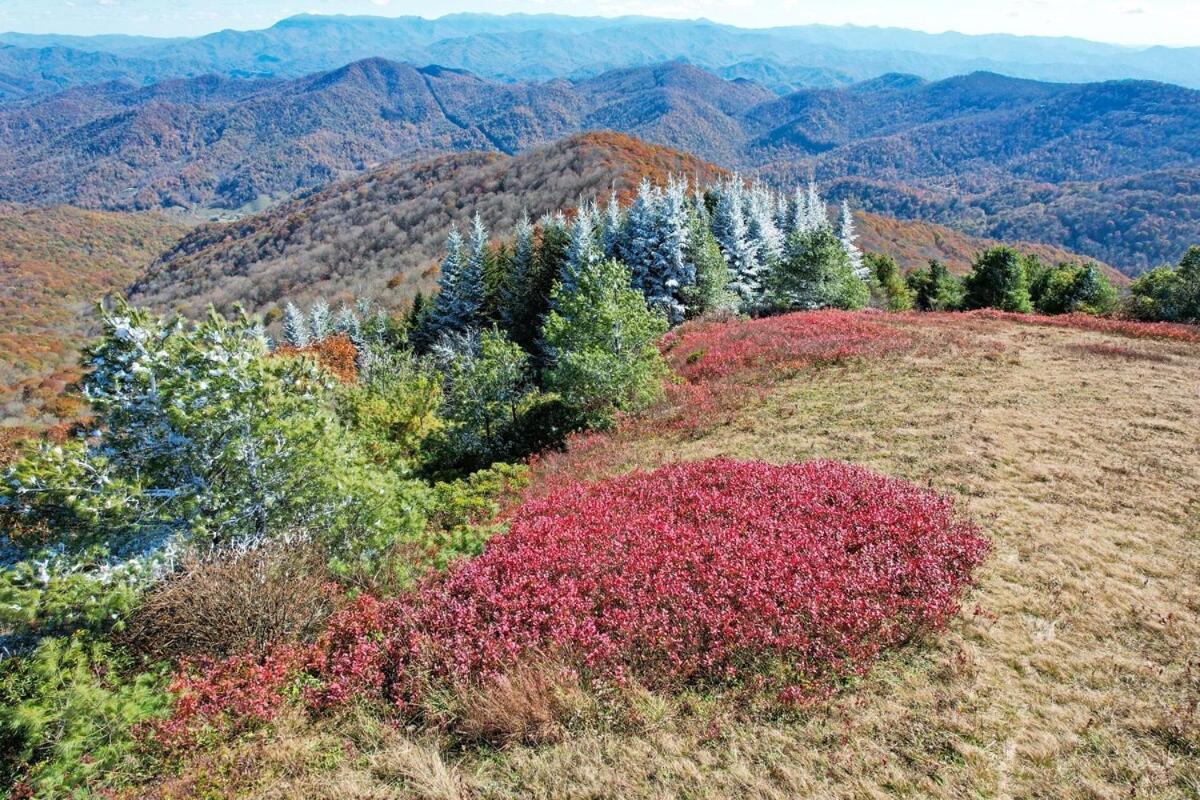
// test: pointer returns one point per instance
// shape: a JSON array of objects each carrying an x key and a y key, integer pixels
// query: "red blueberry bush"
[
  {"x": 696, "y": 573},
  {"x": 721, "y": 362},
  {"x": 1119, "y": 327},
  {"x": 709, "y": 350}
]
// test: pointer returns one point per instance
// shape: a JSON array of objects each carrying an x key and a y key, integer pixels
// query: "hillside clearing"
[{"x": 1072, "y": 671}]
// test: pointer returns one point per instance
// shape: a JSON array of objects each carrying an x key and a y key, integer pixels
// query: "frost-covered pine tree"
[
  {"x": 799, "y": 212},
  {"x": 319, "y": 320},
  {"x": 583, "y": 252},
  {"x": 818, "y": 216},
  {"x": 638, "y": 240},
  {"x": 295, "y": 327},
  {"x": 760, "y": 223},
  {"x": 848, "y": 237},
  {"x": 614, "y": 227},
  {"x": 457, "y": 304},
  {"x": 348, "y": 324},
  {"x": 729, "y": 226}
]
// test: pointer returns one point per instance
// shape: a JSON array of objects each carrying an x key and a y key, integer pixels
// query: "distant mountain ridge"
[
  {"x": 994, "y": 156},
  {"x": 521, "y": 47}
]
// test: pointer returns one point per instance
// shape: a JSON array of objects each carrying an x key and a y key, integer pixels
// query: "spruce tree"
[
  {"x": 295, "y": 327},
  {"x": 319, "y": 321},
  {"x": 848, "y": 237}
]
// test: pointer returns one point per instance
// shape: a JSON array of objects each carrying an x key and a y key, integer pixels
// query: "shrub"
[
  {"x": 998, "y": 280},
  {"x": 241, "y": 603},
  {"x": 1071, "y": 288},
  {"x": 602, "y": 343},
  {"x": 697, "y": 573}
]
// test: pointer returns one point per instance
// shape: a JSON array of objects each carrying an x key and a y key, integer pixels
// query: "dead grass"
[{"x": 1071, "y": 672}]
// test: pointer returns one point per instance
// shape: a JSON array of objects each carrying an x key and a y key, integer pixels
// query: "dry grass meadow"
[{"x": 1072, "y": 672}]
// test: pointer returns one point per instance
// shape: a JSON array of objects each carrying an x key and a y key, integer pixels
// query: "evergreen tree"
[
  {"x": 848, "y": 237},
  {"x": 583, "y": 253},
  {"x": 998, "y": 280},
  {"x": 295, "y": 327},
  {"x": 457, "y": 304},
  {"x": 602, "y": 343},
  {"x": 319, "y": 321},
  {"x": 893, "y": 292},
  {"x": 614, "y": 226},
  {"x": 710, "y": 293},
  {"x": 814, "y": 273},
  {"x": 934, "y": 288}
]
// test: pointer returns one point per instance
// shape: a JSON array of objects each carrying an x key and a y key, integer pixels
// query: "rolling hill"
[
  {"x": 54, "y": 264},
  {"x": 522, "y": 47},
  {"x": 382, "y": 234},
  {"x": 993, "y": 156}
]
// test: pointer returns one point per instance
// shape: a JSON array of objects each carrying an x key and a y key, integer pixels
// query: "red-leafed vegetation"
[
  {"x": 1087, "y": 322},
  {"x": 697, "y": 573},
  {"x": 336, "y": 353}
]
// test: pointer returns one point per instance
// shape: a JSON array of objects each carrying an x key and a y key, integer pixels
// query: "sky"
[{"x": 1131, "y": 22}]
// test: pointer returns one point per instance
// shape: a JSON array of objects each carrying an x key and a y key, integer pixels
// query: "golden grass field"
[{"x": 1073, "y": 670}]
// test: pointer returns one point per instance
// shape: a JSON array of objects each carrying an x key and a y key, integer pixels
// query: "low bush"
[
  {"x": 698, "y": 573},
  {"x": 703, "y": 351},
  {"x": 241, "y": 603}
]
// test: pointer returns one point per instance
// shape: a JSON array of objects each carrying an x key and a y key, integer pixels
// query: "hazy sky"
[{"x": 1170, "y": 22}]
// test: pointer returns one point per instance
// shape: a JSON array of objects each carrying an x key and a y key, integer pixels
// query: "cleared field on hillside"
[{"x": 1072, "y": 671}]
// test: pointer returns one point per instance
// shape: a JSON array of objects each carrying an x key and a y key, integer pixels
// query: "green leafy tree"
[
  {"x": 815, "y": 272},
  {"x": 1069, "y": 288},
  {"x": 1168, "y": 295},
  {"x": 887, "y": 283},
  {"x": 998, "y": 280},
  {"x": 486, "y": 389},
  {"x": 602, "y": 343}
]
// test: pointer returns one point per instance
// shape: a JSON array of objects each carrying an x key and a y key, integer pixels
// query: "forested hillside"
[
  {"x": 55, "y": 263},
  {"x": 1108, "y": 169},
  {"x": 382, "y": 234}
]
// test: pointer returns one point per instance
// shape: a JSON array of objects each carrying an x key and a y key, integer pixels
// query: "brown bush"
[{"x": 233, "y": 605}]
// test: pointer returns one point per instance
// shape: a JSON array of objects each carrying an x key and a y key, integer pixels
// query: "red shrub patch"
[
  {"x": 1087, "y": 322},
  {"x": 721, "y": 362},
  {"x": 697, "y": 572},
  {"x": 709, "y": 350}
]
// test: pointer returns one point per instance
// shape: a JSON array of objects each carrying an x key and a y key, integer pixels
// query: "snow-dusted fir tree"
[
  {"x": 639, "y": 236},
  {"x": 848, "y": 237},
  {"x": 347, "y": 324},
  {"x": 456, "y": 306},
  {"x": 583, "y": 252},
  {"x": 815, "y": 212},
  {"x": 760, "y": 224},
  {"x": 741, "y": 253},
  {"x": 295, "y": 326},
  {"x": 674, "y": 273},
  {"x": 614, "y": 227},
  {"x": 319, "y": 320}
]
